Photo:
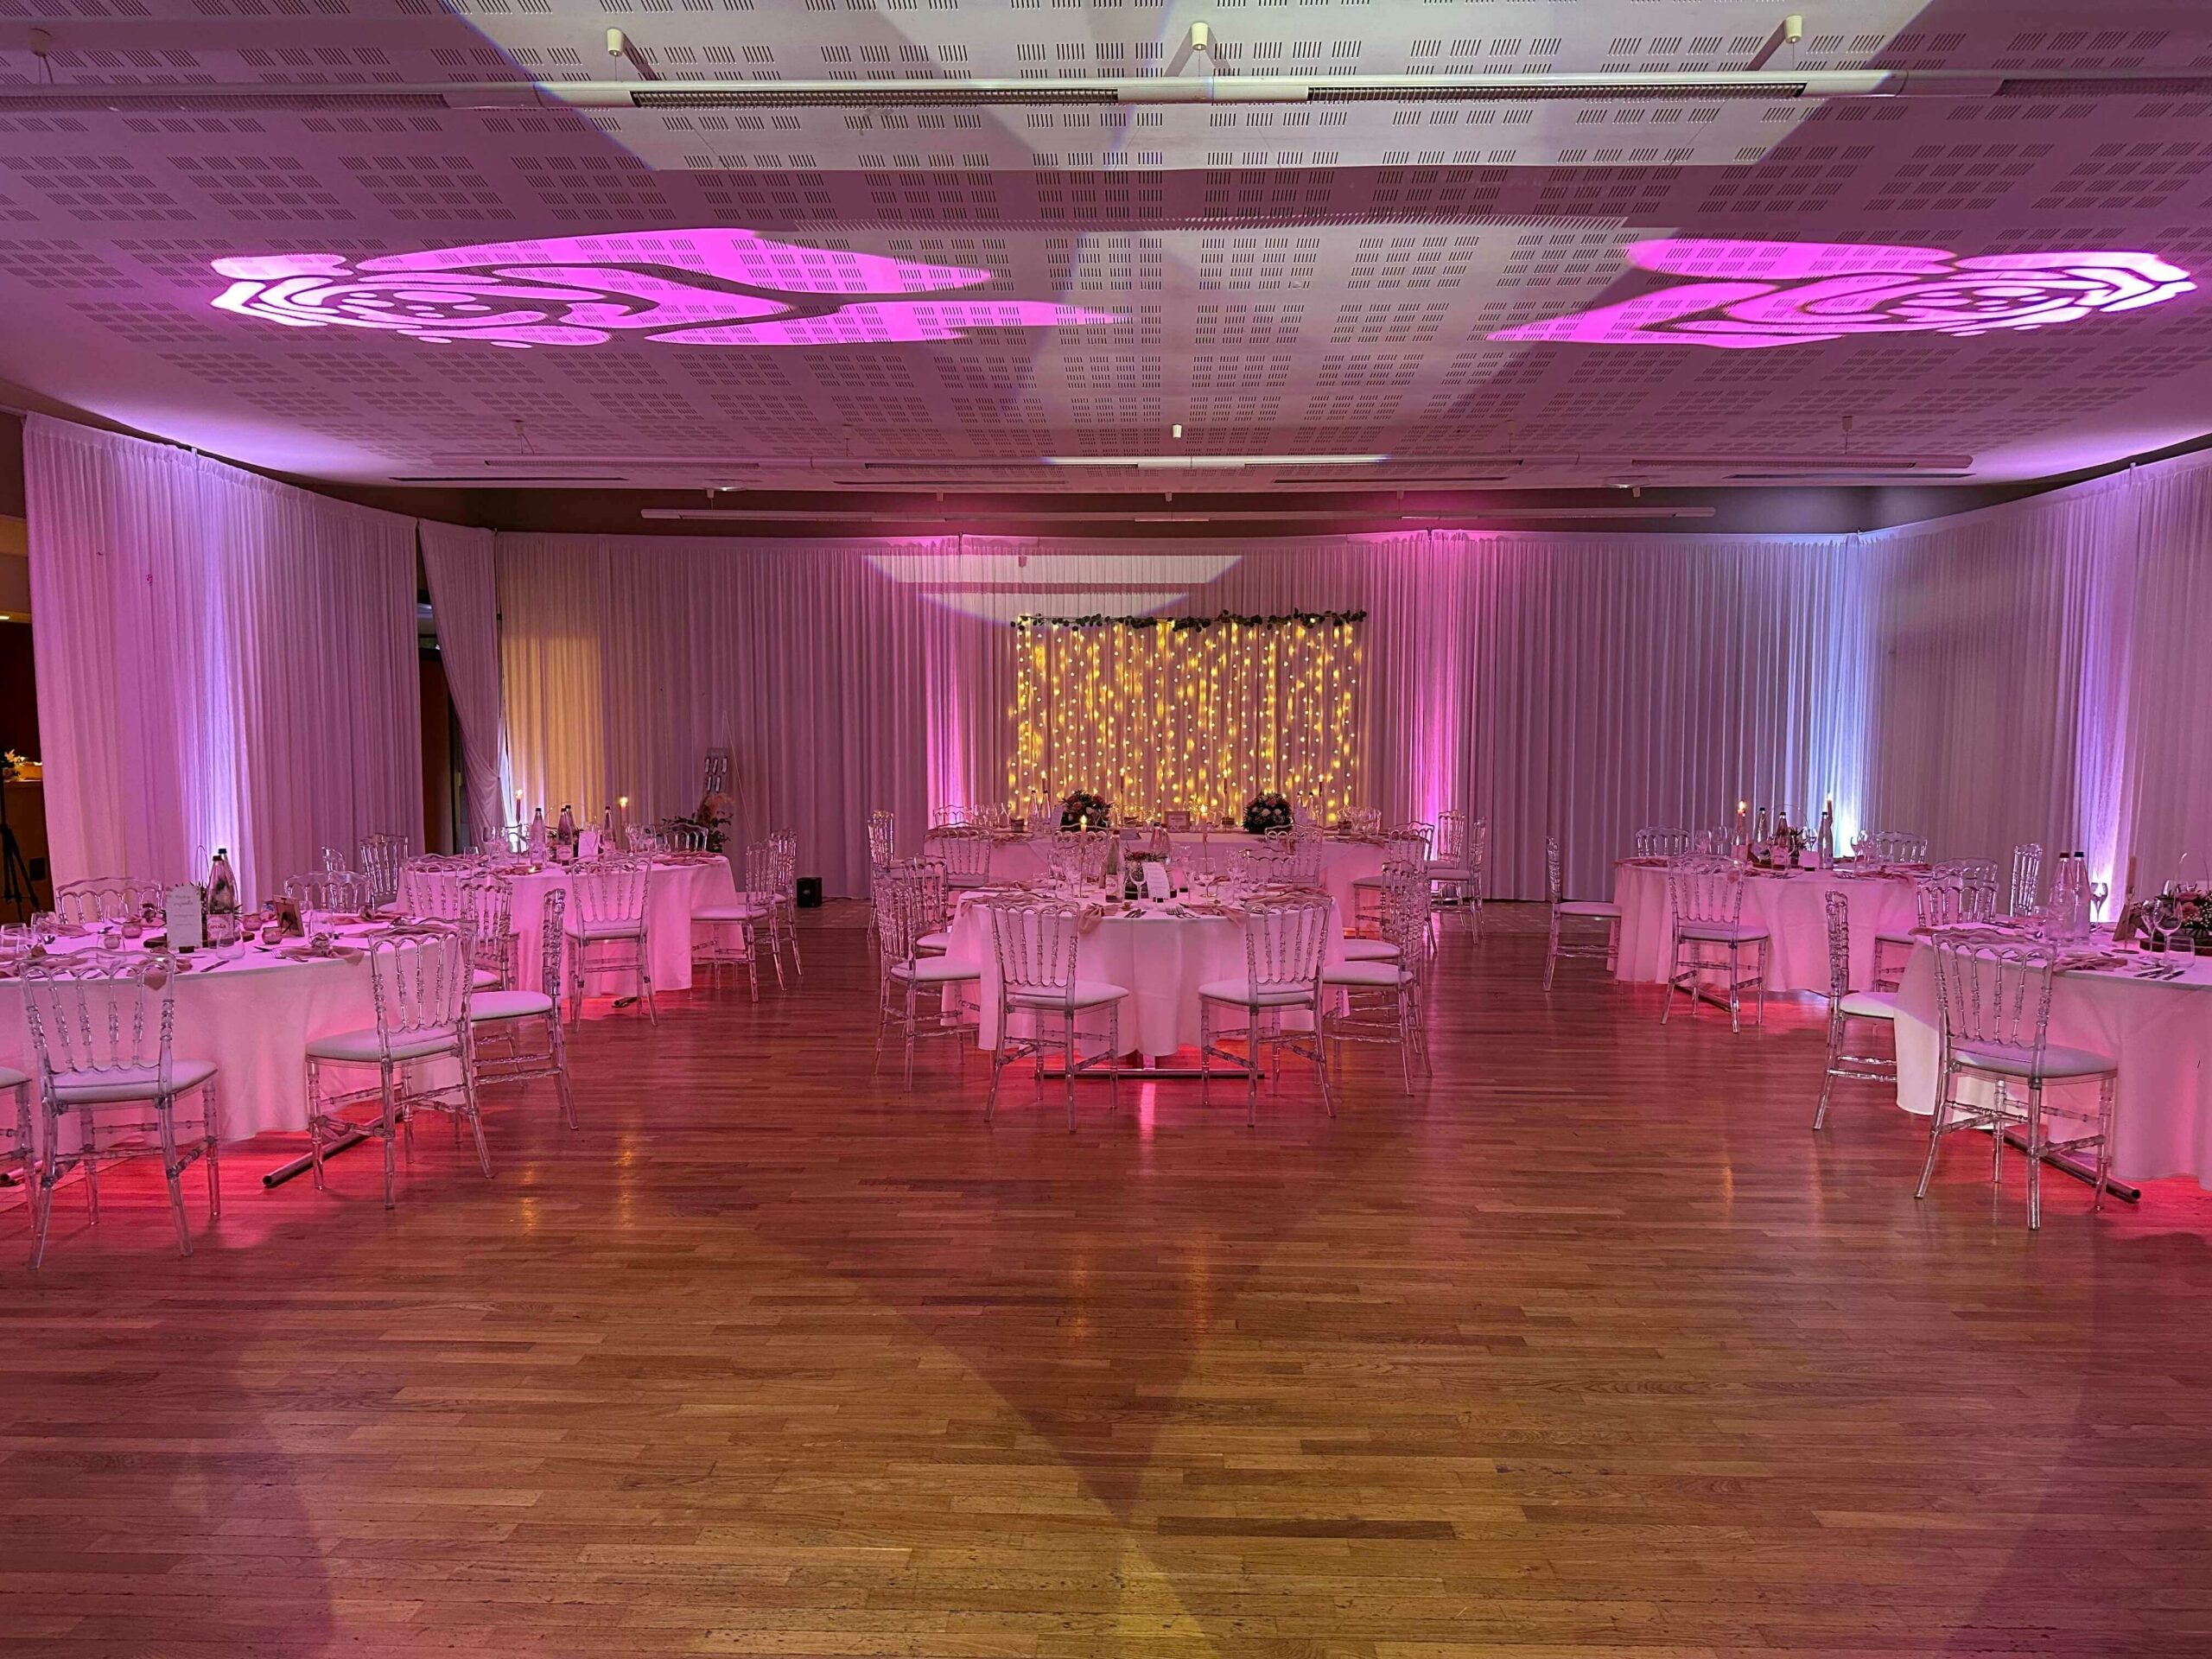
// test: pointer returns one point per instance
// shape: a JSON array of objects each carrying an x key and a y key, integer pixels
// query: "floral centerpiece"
[
  {"x": 2185, "y": 910},
  {"x": 1084, "y": 810},
  {"x": 712, "y": 819},
  {"x": 1266, "y": 813}
]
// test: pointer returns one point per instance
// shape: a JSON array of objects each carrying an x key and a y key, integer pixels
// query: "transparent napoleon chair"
[
  {"x": 1285, "y": 946},
  {"x": 518, "y": 1035},
  {"x": 1579, "y": 915},
  {"x": 1381, "y": 999},
  {"x": 103, "y": 1035},
  {"x": 421, "y": 1049},
  {"x": 1042, "y": 988},
  {"x": 83, "y": 906},
  {"x": 1710, "y": 938},
  {"x": 606, "y": 928},
  {"x": 2000, "y": 1070},
  {"x": 920, "y": 997},
  {"x": 1850, "y": 1010},
  {"x": 731, "y": 935}
]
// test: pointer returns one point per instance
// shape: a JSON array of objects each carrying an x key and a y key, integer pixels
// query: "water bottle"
[{"x": 222, "y": 900}]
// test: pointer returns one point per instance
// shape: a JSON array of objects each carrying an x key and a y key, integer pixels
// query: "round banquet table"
[
  {"x": 2160, "y": 1031},
  {"x": 1343, "y": 863},
  {"x": 1792, "y": 907},
  {"x": 252, "y": 1011},
  {"x": 674, "y": 890},
  {"x": 1162, "y": 959}
]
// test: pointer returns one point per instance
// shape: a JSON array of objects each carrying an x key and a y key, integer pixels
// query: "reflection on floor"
[{"x": 1589, "y": 1347}]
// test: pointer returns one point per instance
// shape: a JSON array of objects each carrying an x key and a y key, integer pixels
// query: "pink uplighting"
[
  {"x": 684, "y": 288},
  {"x": 1754, "y": 294}
]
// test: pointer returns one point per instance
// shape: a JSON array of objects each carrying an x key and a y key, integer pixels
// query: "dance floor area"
[{"x": 1590, "y": 1346}]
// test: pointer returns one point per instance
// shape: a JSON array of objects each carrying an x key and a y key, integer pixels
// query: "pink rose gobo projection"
[
  {"x": 1759, "y": 294},
  {"x": 683, "y": 288}
]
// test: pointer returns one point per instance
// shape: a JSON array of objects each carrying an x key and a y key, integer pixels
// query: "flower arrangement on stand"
[
  {"x": 1267, "y": 813},
  {"x": 1082, "y": 810}
]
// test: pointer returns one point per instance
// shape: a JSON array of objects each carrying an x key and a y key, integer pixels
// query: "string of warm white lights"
[{"x": 1157, "y": 717}]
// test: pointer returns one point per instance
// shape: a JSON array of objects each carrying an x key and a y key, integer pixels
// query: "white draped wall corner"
[
  {"x": 222, "y": 660},
  {"x": 457, "y": 563},
  {"x": 2042, "y": 674},
  {"x": 624, "y": 658}
]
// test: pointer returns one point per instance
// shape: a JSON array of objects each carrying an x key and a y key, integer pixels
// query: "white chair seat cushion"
[
  {"x": 2009, "y": 1061},
  {"x": 118, "y": 1083},
  {"x": 1587, "y": 907},
  {"x": 978, "y": 879},
  {"x": 936, "y": 971},
  {"x": 1450, "y": 872},
  {"x": 605, "y": 927},
  {"x": 753, "y": 901},
  {"x": 940, "y": 941},
  {"x": 1370, "y": 951},
  {"x": 9, "y": 1077},
  {"x": 1241, "y": 991},
  {"x": 729, "y": 915},
  {"x": 1741, "y": 933},
  {"x": 1871, "y": 1005},
  {"x": 483, "y": 979},
  {"x": 508, "y": 1005},
  {"x": 361, "y": 1048},
  {"x": 1086, "y": 994},
  {"x": 1386, "y": 974},
  {"x": 1895, "y": 938}
]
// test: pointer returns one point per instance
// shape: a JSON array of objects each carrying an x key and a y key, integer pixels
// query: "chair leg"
[
  {"x": 1827, "y": 1073},
  {"x": 998, "y": 1066},
  {"x": 1937, "y": 1125},
  {"x": 390, "y": 1134},
  {"x": 558, "y": 1047},
  {"x": 645, "y": 979},
  {"x": 1735, "y": 973},
  {"x": 1674, "y": 973},
  {"x": 211, "y": 1126},
  {"x": 908, "y": 1028},
  {"x": 1205, "y": 1052},
  {"x": 1114, "y": 1060},
  {"x": 1405, "y": 1043},
  {"x": 314, "y": 1123},
  {"x": 1067, "y": 1063},
  {"x": 1551, "y": 953},
  {"x": 476, "y": 1118},
  {"x": 1252, "y": 1066},
  {"x": 798, "y": 966},
  {"x": 2036, "y": 1129}
]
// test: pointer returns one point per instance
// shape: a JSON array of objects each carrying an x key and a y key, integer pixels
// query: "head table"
[
  {"x": 1161, "y": 956},
  {"x": 2159, "y": 1030},
  {"x": 252, "y": 1009},
  {"x": 1344, "y": 861},
  {"x": 1792, "y": 906}
]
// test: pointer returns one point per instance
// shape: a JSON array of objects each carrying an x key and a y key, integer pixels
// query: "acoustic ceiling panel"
[{"x": 1546, "y": 289}]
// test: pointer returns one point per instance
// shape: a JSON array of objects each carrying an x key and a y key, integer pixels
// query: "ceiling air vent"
[{"x": 1500, "y": 92}]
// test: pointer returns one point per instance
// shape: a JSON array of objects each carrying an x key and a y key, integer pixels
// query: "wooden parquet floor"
[{"x": 1589, "y": 1348}]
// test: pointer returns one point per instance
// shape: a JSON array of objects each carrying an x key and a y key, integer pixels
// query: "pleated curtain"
[
  {"x": 222, "y": 661},
  {"x": 458, "y": 568}
]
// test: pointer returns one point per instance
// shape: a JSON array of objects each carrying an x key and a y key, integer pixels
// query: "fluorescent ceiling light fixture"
[{"x": 1210, "y": 463}]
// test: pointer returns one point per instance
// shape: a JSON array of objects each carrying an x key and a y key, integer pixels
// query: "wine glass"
[{"x": 2099, "y": 892}]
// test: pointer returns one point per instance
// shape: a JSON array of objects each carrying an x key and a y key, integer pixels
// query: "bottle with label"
[
  {"x": 222, "y": 900},
  {"x": 537, "y": 833},
  {"x": 1827, "y": 836},
  {"x": 564, "y": 836}
]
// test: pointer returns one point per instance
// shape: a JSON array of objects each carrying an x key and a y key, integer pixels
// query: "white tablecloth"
[
  {"x": 1793, "y": 909},
  {"x": 1343, "y": 862},
  {"x": 1161, "y": 960},
  {"x": 2160, "y": 1033},
  {"x": 673, "y": 891},
  {"x": 252, "y": 1016}
]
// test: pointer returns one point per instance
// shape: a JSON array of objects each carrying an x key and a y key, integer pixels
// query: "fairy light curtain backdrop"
[{"x": 1195, "y": 714}]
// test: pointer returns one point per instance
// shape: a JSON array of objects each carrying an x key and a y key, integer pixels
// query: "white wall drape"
[
  {"x": 625, "y": 658},
  {"x": 2027, "y": 673},
  {"x": 222, "y": 660},
  {"x": 457, "y": 563}
]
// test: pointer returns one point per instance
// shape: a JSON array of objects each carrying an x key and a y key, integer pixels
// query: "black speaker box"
[{"x": 809, "y": 893}]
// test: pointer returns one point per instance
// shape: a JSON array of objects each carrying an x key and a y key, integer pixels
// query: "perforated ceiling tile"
[{"x": 1439, "y": 279}]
